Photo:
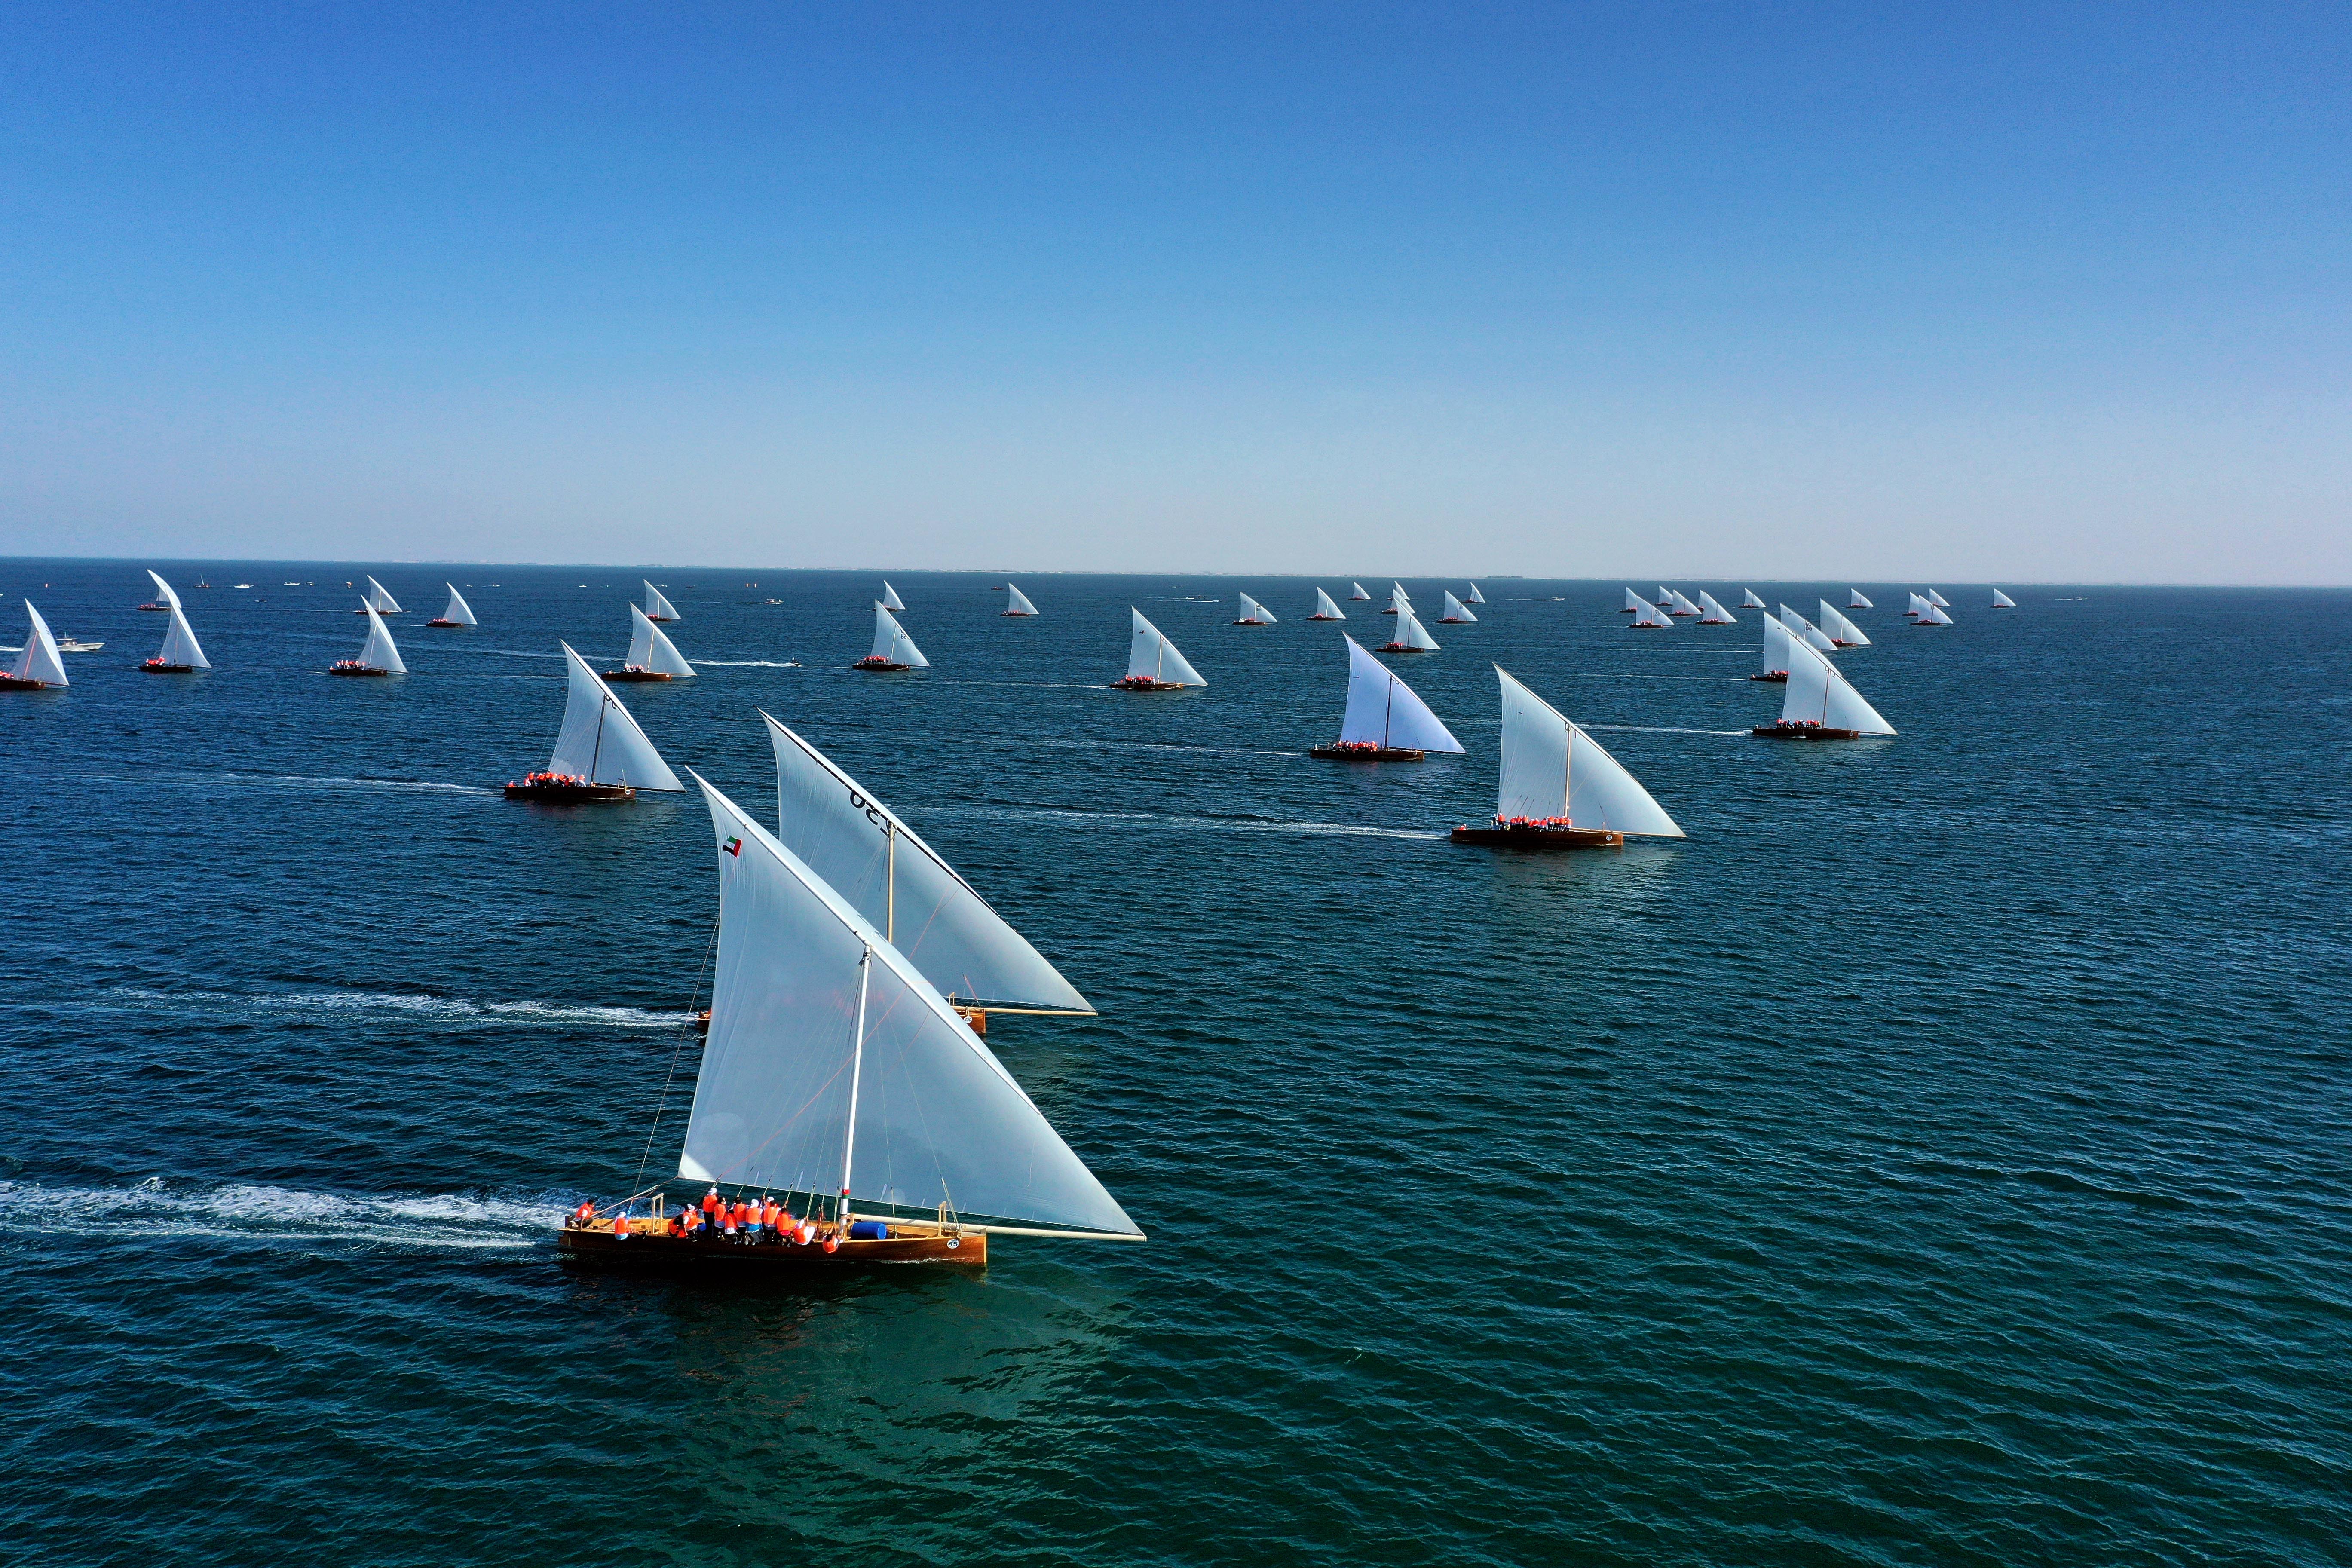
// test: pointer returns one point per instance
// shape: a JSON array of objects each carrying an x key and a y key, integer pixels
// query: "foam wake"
[
  {"x": 154, "y": 1209},
  {"x": 455, "y": 1009},
  {"x": 1200, "y": 824}
]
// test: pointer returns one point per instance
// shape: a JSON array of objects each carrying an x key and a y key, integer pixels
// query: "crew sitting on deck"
[
  {"x": 620, "y": 1223},
  {"x": 583, "y": 1215}
]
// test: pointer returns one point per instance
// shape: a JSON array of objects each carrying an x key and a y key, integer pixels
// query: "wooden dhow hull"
[
  {"x": 1803, "y": 732},
  {"x": 569, "y": 794},
  {"x": 1541, "y": 838},
  {"x": 350, "y": 668},
  {"x": 157, "y": 667},
  {"x": 12, "y": 683},
  {"x": 443, "y": 621},
  {"x": 1778, "y": 676},
  {"x": 1138, "y": 683},
  {"x": 1367, "y": 755},
  {"x": 612, "y": 675},
  {"x": 916, "y": 1242}
]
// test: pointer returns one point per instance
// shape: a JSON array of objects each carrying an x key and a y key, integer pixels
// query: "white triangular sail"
[
  {"x": 463, "y": 613},
  {"x": 1016, "y": 603},
  {"x": 1383, "y": 711},
  {"x": 1717, "y": 615},
  {"x": 379, "y": 653},
  {"x": 1776, "y": 647},
  {"x": 1933, "y": 615},
  {"x": 1854, "y": 601},
  {"x": 1455, "y": 610},
  {"x": 1840, "y": 630},
  {"x": 163, "y": 590},
  {"x": 179, "y": 644},
  {"x": 1748, "y": 601},
  {"x": 1473, "y": 597},
  {"x": 40, "y": 661},
  {"x": 1681, "y": 605},
  {"x": 906, "y": 890},
  {"x": 1151, "y": 656},
  {"x": 1650, "y": 615},
  {"x": 650, "y": 647},
  {"x": 890, "y": 600},
  {"x": 380, "y": 601},
  {"x": 2002, "y": 601},
  {"x": 832, "y": 1063},
  {"x": 891, "y": 641},
  {"x": 1254, "y": 612},
  {"x": 599, "y": 740},
  {"x": 1819, "y": 692},
  {"x": 1804, "y": 631},
  {"x": 1939, "y": 600},
  {"x": 1636, "y": 603},
  {"x": 1399, "y": 600},
  {"x": 1916, "y": 605},
  {"x": 659, "y": 607},
  {"x": 1410, "y": 633},
  {"x": 1550, "y": 768},
  {"x": 1325, "y": 609},
  {"x": 1360, "y": 592}
]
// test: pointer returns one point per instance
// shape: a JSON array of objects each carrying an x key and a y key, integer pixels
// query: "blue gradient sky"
[{"x": 2019, "y": 294}]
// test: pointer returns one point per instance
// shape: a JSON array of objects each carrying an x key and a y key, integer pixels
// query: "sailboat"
[
  {"x": 1683, "y": 606},
  {"x": 1635, "y": 604},
  {"x": 1558, "y": 788},
  {"x": 164, "y": 598},
  {"x": 600, "y": 752},
  {"x": 181, "y": 654},
  {"x": 1152, "y": 662},
  {"x": 1854, "y": 601},
  {"x": 1842, "y": 632},
  {"x": 1360, "y": 592},
  {"x": 1776, "y": 651},
  {"x": 1399, "y": 600},
  {"x": 377, "y": 655},
  {"x": 1932, "y": 615},
  {"x": 1254, "y": 613},
  {"x": 1821, "y": 703},
  {"x": 1748, "y": 601},
  {"x": 1457, "y": 613},
  {"x": 2002, "y": 601},
  {"x": 1649, "y": 617},
  {"x": 40, "y": 666},
  {"x": 1939, "y": 600},
  {"x": 652, "y": 656},
  {"x": 882, "y": 869},
  {"x": 1717, "y": 615},
  {"x": 1473, "y": 597},
  {"x": 836, "y": 1075},
  {"x": 659, "y": 608},
  {"x": 893, "y": 649},
  {"x": 458, "y": 613},
  {"x": 1665, "y": 599},
  {"x": 1386, "y": 722},
  {"x": 1410, "y": 636},
  {"x": 1917, "y": 605},
  {"x": 1325, "y": 610},
  {"x": 1016, "y": 603},
  {"x": 379, "y": 599},
  {"x": 890, "y": 600},
  {"x": 1804, "y": 631}
]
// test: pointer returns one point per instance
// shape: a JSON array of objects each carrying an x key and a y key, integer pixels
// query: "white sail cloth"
[
  {"x": 1717, "y": 615},
  {"x": 1152, "y": 657},
  {"x": 380, "y": 602},
  {"x": 1360, "y": 592},
  {"x": 905, "y": 889},
  {"x": 461, "y": 611},
  {"x": 650, "y": 647},
  {"x": 1399, "y": 600},
  {"x": 788, "y": 1075},
  {"x": 1325, "y": 608},
  {"x": 1933, "y": 615},
  {"x": 379, "y": 651},
  {"x": 1748, "y": 601},
  {"x": 1854, "y": 600},
  {"x": 2002, "y": 601},
  {"x": 1411, "y": 633},
  {"x": 163, "y": 589},
  {"x": 1455, "y": 610},
  {"x": 657, "y": 604},
  {"x": 179, "y": 644},
  {"x": 1383, "y": 711},
  {"x": 1551, "y": 768},
  {"x": 1840, "y": 629},
  {"x": 1634, "y": 602},
  {"x": 891, "y": 641},
  {"x": 1681, "y": 605},
  {"x": 1016, "y": 603},
  {"x": 1253, "y": 611},
  {"x": 1474, "y": 596},
  {"x": 1917, "y": 605},
  {"x": 1939, "y": 600},
  {"x": 599, "y": 740},
  {"x": 40, "y": 661},
  {"x": 1650, "y": 615},
  {"x": 890, "y": 600},
  {"x": 1776, "y": 647},
  {"x": 1820, "y": 692},
  {"x": 1804, "y": 631}
]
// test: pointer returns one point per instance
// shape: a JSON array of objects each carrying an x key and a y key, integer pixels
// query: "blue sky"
[{"x": 1995, "y": 293}]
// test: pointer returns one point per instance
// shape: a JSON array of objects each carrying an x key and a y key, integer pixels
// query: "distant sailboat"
[
  {"x": 40, "y": 666},
  {"x": 1399, "y": 600},
  {"x": 1717, "y": 615},
  {"x": 1360, "y": 592},
  {"x": 1842, "y": 632},
  {"x": 600, "y": 752},
  {"x": 1776, "y": 651},
  {"x": 1016, "y": 603},
  {"x": 377, "y": 655},
  {"x": 1748, "y": 601},
  {"x": 1152, "y": 662},
  {"x": 1253, "y": 613},
  {"x": 1457, "y": 613},
  {"x": 1854, "y": 601},
  {"x": 1558, "y": 788},
  {"x": 659, "y": 608},
  {"x": 1681, "y": 607},
  {"x": 164, "y": 598},
  {"x": 832, "y": 1065},
  {"x": 1386, "y": 720},
  {"x": 1473, "y": 597},
  {"x": 1410, "y": 636},
  {"x": 1649, "y": 617},
  {"x": 2002, "y": 601},
  {"x": 1821, "y": 703},
  {"x": 1932, "y": 615},
  {"x": 907, "y": 889},
  {"x": 181, "y": 654},
  {"x": 1635, "y": 604},
  {"x": 378, "y": 599},
  {"x": 652, "y": 656},
  {"x": 890, "y": 600},
  {"x": 1939, "y": 600},
  {"x": 1325, "y": 610},
  {"x": 1917, "y": 606},
  {"x": 893, "y": 649},
  {"x": 459, "y": 614},
  {"x": 1665, "y": 599},
  {"x": 1804, "y": 631}
]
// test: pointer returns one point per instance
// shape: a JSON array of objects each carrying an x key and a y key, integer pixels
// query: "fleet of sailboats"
[
  {"x": 1386, "y": 720},
  {"x": 600, "y": 754},
  {"x": 659, "y": 608},
  {"x": 377, "y": 655},
  {"x": 652, "y": 656},
  {"x": 458, "y": 613},
  {"x": 1152, "y": 662},
  {"x": 1557, "y": 788},
  {"x": 1253, "y": 613},
  {"x": 180, "y": 654},
  {"x": 1325, "y": 610},
  {"x": 1457, "y": 613},
  {"x": 1016, "y": 603},
  {"x": 893, "y": 649},
  {"x": 40, "y": 666}
]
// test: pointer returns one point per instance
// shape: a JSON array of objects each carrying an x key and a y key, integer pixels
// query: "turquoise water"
[{"x": 1938, "y": 1157}]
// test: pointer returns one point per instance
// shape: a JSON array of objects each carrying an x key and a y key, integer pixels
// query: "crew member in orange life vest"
[
  {"x": 583, "y": 1215},
  {"x": 711, "y": 1204}
]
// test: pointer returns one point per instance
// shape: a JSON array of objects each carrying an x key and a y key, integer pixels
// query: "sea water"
[{"x": 1936, "y": 1158}]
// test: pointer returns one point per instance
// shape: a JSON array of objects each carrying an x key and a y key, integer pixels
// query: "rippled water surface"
[{"x": 1937, "y": 1158}]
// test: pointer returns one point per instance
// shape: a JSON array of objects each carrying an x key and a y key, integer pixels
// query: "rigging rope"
[{"x": 663, "y": 1104}]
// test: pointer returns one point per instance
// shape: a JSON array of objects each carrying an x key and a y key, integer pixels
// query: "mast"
[
  {"x": 890, "y": 883},
  {"x": 856, "y": 1066},
  {"x": 597, "y": 751}
]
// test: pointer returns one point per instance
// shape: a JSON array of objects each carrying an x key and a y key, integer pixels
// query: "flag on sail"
[
  {"x": 1552, "y": 769},
  {"x": 600, "y": 742},
  {"x": 1016, "y": 603},
  {"x": 657, "y": 608},
  {"x": 1383, "y": 711},
  {"x": 832, "y": 1064},
  {"x": 905, "y": 888},
  {"x": 650, "y": 647}
]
